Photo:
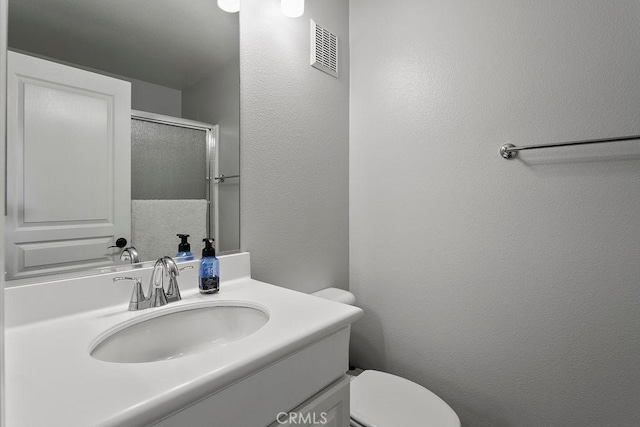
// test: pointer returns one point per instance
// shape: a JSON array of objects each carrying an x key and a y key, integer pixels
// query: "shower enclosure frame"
[{"x": 212, "y": 135}]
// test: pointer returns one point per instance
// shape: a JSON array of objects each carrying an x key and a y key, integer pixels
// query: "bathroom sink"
[{"x": 179, "y": 332}]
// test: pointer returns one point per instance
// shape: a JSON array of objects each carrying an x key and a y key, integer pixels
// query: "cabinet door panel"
[{"x": 328, "y": 408}]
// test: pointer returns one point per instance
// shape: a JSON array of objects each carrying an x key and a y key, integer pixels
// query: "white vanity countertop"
[{"x": 52, "y": 380}]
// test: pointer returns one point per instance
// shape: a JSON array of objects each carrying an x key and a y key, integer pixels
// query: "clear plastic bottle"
[{"x": 209, "y": 280}]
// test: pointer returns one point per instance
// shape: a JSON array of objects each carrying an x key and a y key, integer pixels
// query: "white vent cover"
[{"x": 324, "y": 50}]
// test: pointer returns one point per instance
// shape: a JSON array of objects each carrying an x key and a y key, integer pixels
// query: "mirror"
[{"x": 164, "y": 75}]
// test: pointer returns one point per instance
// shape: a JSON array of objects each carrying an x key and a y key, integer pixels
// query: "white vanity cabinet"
[
  {"x": 328, "y": 408},
  {"x": 307, "y": 388}
]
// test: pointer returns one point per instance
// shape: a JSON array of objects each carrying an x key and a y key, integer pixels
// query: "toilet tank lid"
[
  {"x": 384, "y": 400},
  {"x": 337, "y": 295}
]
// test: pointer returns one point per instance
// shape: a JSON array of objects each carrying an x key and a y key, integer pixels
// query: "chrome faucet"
[
  {"x": 156, "y": 296},
  {"x": 168, "y": 265},
  {"x": 130, "y": 254}
]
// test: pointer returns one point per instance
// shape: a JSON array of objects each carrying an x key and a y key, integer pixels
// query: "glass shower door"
[{"x": 172, "y": 162}]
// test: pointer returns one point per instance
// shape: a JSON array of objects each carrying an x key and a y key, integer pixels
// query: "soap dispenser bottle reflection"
[
  {"x": 209, "y": 280},
  {"x": 184, "y": 249}
]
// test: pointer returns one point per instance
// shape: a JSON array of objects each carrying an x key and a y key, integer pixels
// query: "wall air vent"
[{"x": 324, "y": 50}]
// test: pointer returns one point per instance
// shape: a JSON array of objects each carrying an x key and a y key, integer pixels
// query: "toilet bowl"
[{"x": 379, "y": 399}]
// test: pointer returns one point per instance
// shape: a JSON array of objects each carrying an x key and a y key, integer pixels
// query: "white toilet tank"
[{"x": 337, "y": 295}]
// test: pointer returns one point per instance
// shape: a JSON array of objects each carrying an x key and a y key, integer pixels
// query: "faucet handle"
[
  {"x": 188, "y": 267},
  {"x": 137, "y": 296}
]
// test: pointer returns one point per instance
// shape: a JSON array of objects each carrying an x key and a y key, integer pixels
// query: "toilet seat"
[{"x": 379, "y": 399}]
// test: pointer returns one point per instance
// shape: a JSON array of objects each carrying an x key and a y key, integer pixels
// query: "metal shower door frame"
[{"x": 212, "y": 135}]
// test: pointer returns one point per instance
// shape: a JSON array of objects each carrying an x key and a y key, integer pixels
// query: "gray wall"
[
  {"x": 154, "y": 98},
  {"x": 216, "y": 100},
  {"x": 509, "y": 288},
  {"x": 294, "y": 152}
]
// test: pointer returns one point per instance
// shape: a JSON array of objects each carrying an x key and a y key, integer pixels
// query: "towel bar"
[{"x": 509, "y": 151}]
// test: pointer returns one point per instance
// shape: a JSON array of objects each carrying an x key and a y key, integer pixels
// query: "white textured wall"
[
  {"x": 294, "y": 153},
  {"x": 510, "y": 288}
]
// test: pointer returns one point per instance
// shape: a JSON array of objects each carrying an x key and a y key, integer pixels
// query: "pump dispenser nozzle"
[
  {"x": 184, "y": 245},
  {"x": 208, "y": 248}
]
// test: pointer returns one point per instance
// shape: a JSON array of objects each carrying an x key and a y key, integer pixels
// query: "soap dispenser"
[
  {"x": 184, "y": 249},
  {"x": 209, "y": 280}
]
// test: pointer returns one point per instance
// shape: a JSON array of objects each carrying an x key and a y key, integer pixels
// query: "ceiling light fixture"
[
  {"x": 231, "y": 6},
  {"x": 292, "y": 8}
]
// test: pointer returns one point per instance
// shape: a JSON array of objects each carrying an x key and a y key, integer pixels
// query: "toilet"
[{"x": 379, "y": 399}]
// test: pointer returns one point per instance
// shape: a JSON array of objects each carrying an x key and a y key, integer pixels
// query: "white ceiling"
[{"x": 174, "y": 43}]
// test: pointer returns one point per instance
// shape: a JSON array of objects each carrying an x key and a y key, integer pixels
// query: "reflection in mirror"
[{"x": 121, "y": 114}]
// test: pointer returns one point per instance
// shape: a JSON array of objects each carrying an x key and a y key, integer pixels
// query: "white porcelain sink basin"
[{"x": 178, "y": 332}]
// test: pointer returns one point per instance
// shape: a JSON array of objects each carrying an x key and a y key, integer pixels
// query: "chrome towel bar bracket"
[{"x": 220, "y": 179}]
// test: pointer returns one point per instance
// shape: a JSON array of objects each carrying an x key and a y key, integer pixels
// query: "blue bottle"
[
  {"x": 209, "y": 280},
  {"x": 184, "y": 249}
]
